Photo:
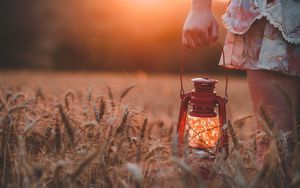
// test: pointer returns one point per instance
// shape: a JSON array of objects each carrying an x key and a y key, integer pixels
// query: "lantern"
[{"x": 203, "y": 124}]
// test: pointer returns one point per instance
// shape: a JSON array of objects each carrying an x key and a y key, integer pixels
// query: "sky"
[{"x": 100, "y": 35}]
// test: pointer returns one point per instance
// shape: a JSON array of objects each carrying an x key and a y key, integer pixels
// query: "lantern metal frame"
[{"x": 203, "y": 100}]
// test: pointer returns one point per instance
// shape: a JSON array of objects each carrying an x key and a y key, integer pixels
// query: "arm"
[{"x": 200, "y": 27}]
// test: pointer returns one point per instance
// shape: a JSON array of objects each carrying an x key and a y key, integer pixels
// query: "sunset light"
[
  {"x": 146, "y": 33},
  {"x": 149, "y": 93}
]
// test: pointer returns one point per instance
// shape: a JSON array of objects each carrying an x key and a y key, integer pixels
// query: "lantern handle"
[{"x": 184, "y": 61}]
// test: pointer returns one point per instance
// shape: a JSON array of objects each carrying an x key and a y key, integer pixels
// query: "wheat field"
[{"x": 64, "y": 129}]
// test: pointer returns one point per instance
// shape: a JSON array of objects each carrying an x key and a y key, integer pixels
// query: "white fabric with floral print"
[
  {"x": 282, "y": 14},
  {"x": 263, "y": 34}
]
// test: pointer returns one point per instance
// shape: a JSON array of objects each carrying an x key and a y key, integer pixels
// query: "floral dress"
[{"x": 263, "y": 35}]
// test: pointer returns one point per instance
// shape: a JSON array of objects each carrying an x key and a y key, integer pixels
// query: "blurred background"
[{"x": 104, "y": 35}]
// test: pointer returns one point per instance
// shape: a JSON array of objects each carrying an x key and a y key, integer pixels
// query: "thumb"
[{"x": 214, "y": 35}]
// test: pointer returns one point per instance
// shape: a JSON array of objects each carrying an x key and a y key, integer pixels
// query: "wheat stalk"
[
  {"x": 69, "y": 94},
  {"x": 39, "y": 94},
  {"x": 30, "y": 126},
  {"x": 260, "y": 176},
  {"x": 142, "y": 135},
  {"x": 296, "y": 180},
  {"x": 111, "y": 98},
  {"x": 79, "y": 169},
  {"x": 17, "y": 96},
  {"x": 2, "y": 105},
  {"x": 101, "y": 109},
  {"x": 57, "y": 136},
  {"x": 126, "y": 91},
  {"x": 8, "y": 95},
  {"x": 90, "y": 96},
  {"x": 188, "y": 172},
  {"x": 232, "y": 133},
  {"x": 17, "y": 108},
  {"x": 122, "y": 126},
  {"x": 67, "y": 124},
  {"x": 266, "y": 118}
]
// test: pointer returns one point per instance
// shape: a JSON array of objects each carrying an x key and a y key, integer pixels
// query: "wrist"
[{"x": 201, "y": 5}]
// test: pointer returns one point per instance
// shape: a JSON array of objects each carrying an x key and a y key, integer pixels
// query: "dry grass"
[{"x": 104, "y": 130}]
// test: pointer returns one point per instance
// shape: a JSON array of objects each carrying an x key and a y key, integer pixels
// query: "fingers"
[
  {"x": 195, "y": 38},
  {"x": 214, "y": 34},
  {"x": 200, "y": 29},
  {"x": 204, "y": 35},
  {"x": 188, "y": 40}
]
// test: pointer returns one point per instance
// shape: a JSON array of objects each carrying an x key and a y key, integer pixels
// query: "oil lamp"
[{"x": 203, "y": 124}]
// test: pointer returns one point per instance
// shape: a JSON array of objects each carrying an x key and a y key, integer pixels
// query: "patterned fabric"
[
  {"x": 282, "y": 14},
  {"x": 256, "y": 43}
]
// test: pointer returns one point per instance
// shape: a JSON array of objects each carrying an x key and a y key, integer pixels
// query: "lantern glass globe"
[{"x": 203, "y": 132}]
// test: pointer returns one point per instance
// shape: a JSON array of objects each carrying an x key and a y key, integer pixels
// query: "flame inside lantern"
[{"x": 203, "y": 132}]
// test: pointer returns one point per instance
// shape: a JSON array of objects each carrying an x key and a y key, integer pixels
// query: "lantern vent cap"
[{"x": 204, "y": 80}]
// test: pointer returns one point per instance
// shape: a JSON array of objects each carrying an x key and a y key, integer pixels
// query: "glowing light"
[{"x": 203, "y": 132}]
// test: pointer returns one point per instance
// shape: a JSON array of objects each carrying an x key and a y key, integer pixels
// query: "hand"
[{"x": 200, "y": 28}]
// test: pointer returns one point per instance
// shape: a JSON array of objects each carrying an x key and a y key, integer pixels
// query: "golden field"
[{"x": 64, "y": 129}]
